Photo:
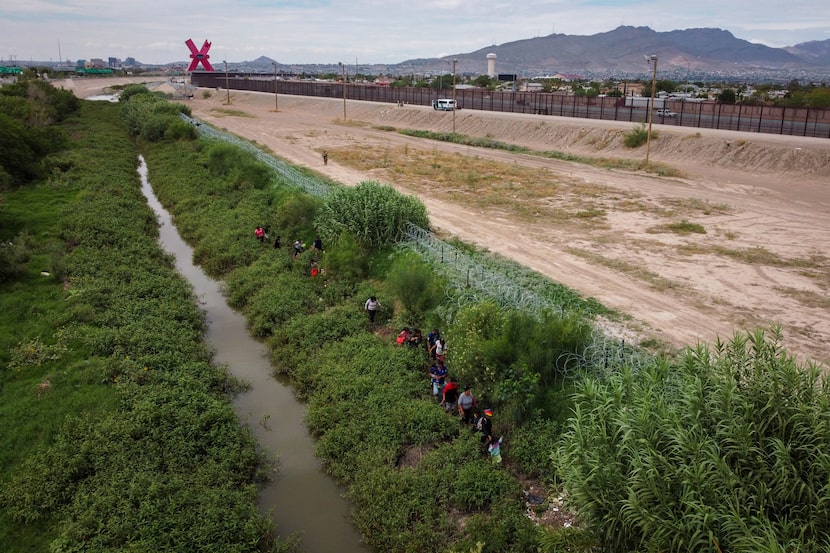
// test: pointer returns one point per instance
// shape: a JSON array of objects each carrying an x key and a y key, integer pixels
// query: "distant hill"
[
  {"x": 816, "y": 51},
  {"x": 682, "y": 54},
  {"x": 622, "y": 51}
]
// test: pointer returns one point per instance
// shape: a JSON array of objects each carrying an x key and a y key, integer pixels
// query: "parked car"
[
  {"x": 444, "y": 104},
  {"x": 666, "y": 113}
]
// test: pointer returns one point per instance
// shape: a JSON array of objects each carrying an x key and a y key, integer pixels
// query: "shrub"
[
  {"x": 376, "y": 215},
  {"x": 180, "y": 130},
  {"x": 686, "y": 227},
  {"x": 505, "y": 528},
  {"x": 479, "y": 483},
  {"x": 132, "y": 90},
  {"x": 346, "y": 260},
  {"x": 637, "y": 136},
  {"x": 295, "y": 215},
  {"x": 415, "y": 285},
  {"x": 13, "y": 258}
]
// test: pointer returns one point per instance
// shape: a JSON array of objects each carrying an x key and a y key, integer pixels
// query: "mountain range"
[{"x": 690, "y": 53}]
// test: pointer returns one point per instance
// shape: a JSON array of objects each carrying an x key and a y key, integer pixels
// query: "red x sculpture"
[{"x": 199, "y": 56}]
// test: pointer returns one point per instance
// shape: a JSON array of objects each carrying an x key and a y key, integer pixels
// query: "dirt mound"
[{"x": 743, "y": 152}]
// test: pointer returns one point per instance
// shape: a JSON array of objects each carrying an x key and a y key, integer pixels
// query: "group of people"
[
  {"x": 261, "y": 234},
  {"x": 445, "y": 388},
  {"x": 450, "y": 395},
  {"x": 468, "y": 412}
]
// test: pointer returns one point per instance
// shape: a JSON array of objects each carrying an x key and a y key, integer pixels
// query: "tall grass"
[{"x": 728, "y": 449}]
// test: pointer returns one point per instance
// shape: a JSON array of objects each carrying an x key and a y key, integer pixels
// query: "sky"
[{"x": 365, "y": 31}]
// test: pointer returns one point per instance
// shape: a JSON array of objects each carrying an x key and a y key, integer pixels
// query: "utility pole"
[
  {"x": 344, "y": 89},
  {"x": 454, "y": 104},
  {"x": 276, "y": 100},
  {"x": 652, "y": 59},
  {"x": 227, "y": 82}
]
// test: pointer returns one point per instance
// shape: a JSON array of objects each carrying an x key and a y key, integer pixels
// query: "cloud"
[{"x": 373, "y": 31}]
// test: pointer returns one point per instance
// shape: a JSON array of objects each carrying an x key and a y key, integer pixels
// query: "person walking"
[
  {"x": 371, "y": 306},
  {"x": 325, "y": 157},
  {"x": 485, "y": 426},
  {"x": 260, "y": 234},
  {"x": 440, "y": 348},
  {"x": 431, "y": 337},
  {"x": 277, "y": 243},
  {"x": 449, "y": 395},
  {"x": 466, "y": 404},
  {"x": 495, "y": 450},
  {"x": 437, "y": 373}
]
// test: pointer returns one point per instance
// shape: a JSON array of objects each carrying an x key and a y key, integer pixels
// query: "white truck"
[{"x": 443, "y": 104}]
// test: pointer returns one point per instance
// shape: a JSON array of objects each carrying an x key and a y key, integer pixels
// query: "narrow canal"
[{"x": 301, "y": 499}]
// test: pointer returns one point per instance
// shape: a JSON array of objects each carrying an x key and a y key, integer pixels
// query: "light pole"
[
  {"x": 227, "y": 82},
  {"x": 688, "y": 74},
  {"x": 276, "y": 99},
  {"x": 454, "y": 105},
  {"x": 344, "y": 89},
  {"x": 652, "y": 59}
]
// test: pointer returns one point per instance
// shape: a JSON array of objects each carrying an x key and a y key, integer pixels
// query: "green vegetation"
[
  {"x": 375, "y": 215},
  {"x": 604, "y": 162},
  {"x": 637, "y": 136},
  {"x": 128, "y": 440},
  {"x": 686, "y": 227},
  {"x": 29, "y": 111},
  {"x": 725, "y": 450},
  {"x": 117, "y": 430}
]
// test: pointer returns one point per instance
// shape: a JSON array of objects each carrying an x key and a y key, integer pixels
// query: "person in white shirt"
[{"x": 371, "y": 306}]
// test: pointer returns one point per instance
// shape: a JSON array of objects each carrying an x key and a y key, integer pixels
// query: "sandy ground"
[{"x": 763, "y": 200}]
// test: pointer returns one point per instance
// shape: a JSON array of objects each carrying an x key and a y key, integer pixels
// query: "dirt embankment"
[{"x": 739, "y": 242}]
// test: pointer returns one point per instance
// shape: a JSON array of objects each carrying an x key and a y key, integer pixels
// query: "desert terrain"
[{"x": 736, "y": 240}]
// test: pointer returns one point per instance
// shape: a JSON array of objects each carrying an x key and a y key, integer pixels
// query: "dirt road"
[{"x": 740, "y": 241}]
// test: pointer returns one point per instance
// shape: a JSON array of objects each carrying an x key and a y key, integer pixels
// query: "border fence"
[{"x": 809, "y": 122}]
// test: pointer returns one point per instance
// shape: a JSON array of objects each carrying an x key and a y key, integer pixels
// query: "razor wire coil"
[{"x": 473, "y": 279}]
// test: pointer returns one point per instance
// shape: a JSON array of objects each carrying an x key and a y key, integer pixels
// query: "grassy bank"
[
  {"x": 419, "y": 482},
  {"x": 117, "y": 431},
  {"x": 722, "y": 448}
]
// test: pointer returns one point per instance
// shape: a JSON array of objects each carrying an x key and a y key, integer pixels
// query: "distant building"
[{"x": 491, "y": 65}]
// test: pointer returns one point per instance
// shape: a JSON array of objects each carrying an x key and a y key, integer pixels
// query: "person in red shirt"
[{"x": 449, "y": 396}]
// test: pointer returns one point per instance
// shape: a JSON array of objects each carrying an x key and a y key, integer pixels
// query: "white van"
[{"x": 443, "y": 104}]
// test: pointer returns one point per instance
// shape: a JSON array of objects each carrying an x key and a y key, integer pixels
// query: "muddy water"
[{"x": 301, "y": 499}]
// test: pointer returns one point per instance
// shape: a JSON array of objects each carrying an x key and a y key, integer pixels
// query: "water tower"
[{"x": 491, "y": 66}]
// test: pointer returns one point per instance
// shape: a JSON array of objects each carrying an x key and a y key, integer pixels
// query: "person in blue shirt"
[{"x": 437, "y": 374}]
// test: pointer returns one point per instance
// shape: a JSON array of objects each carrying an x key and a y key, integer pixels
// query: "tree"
[
  {"x": 819, "y": 98},
  {"x": 727, "y": 96},
  {"x": 484, "y": 81},
  {"x": 664, "y": 85}
]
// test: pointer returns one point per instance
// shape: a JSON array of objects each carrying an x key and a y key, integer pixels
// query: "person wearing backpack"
[{"x": 485, "y": 426}]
